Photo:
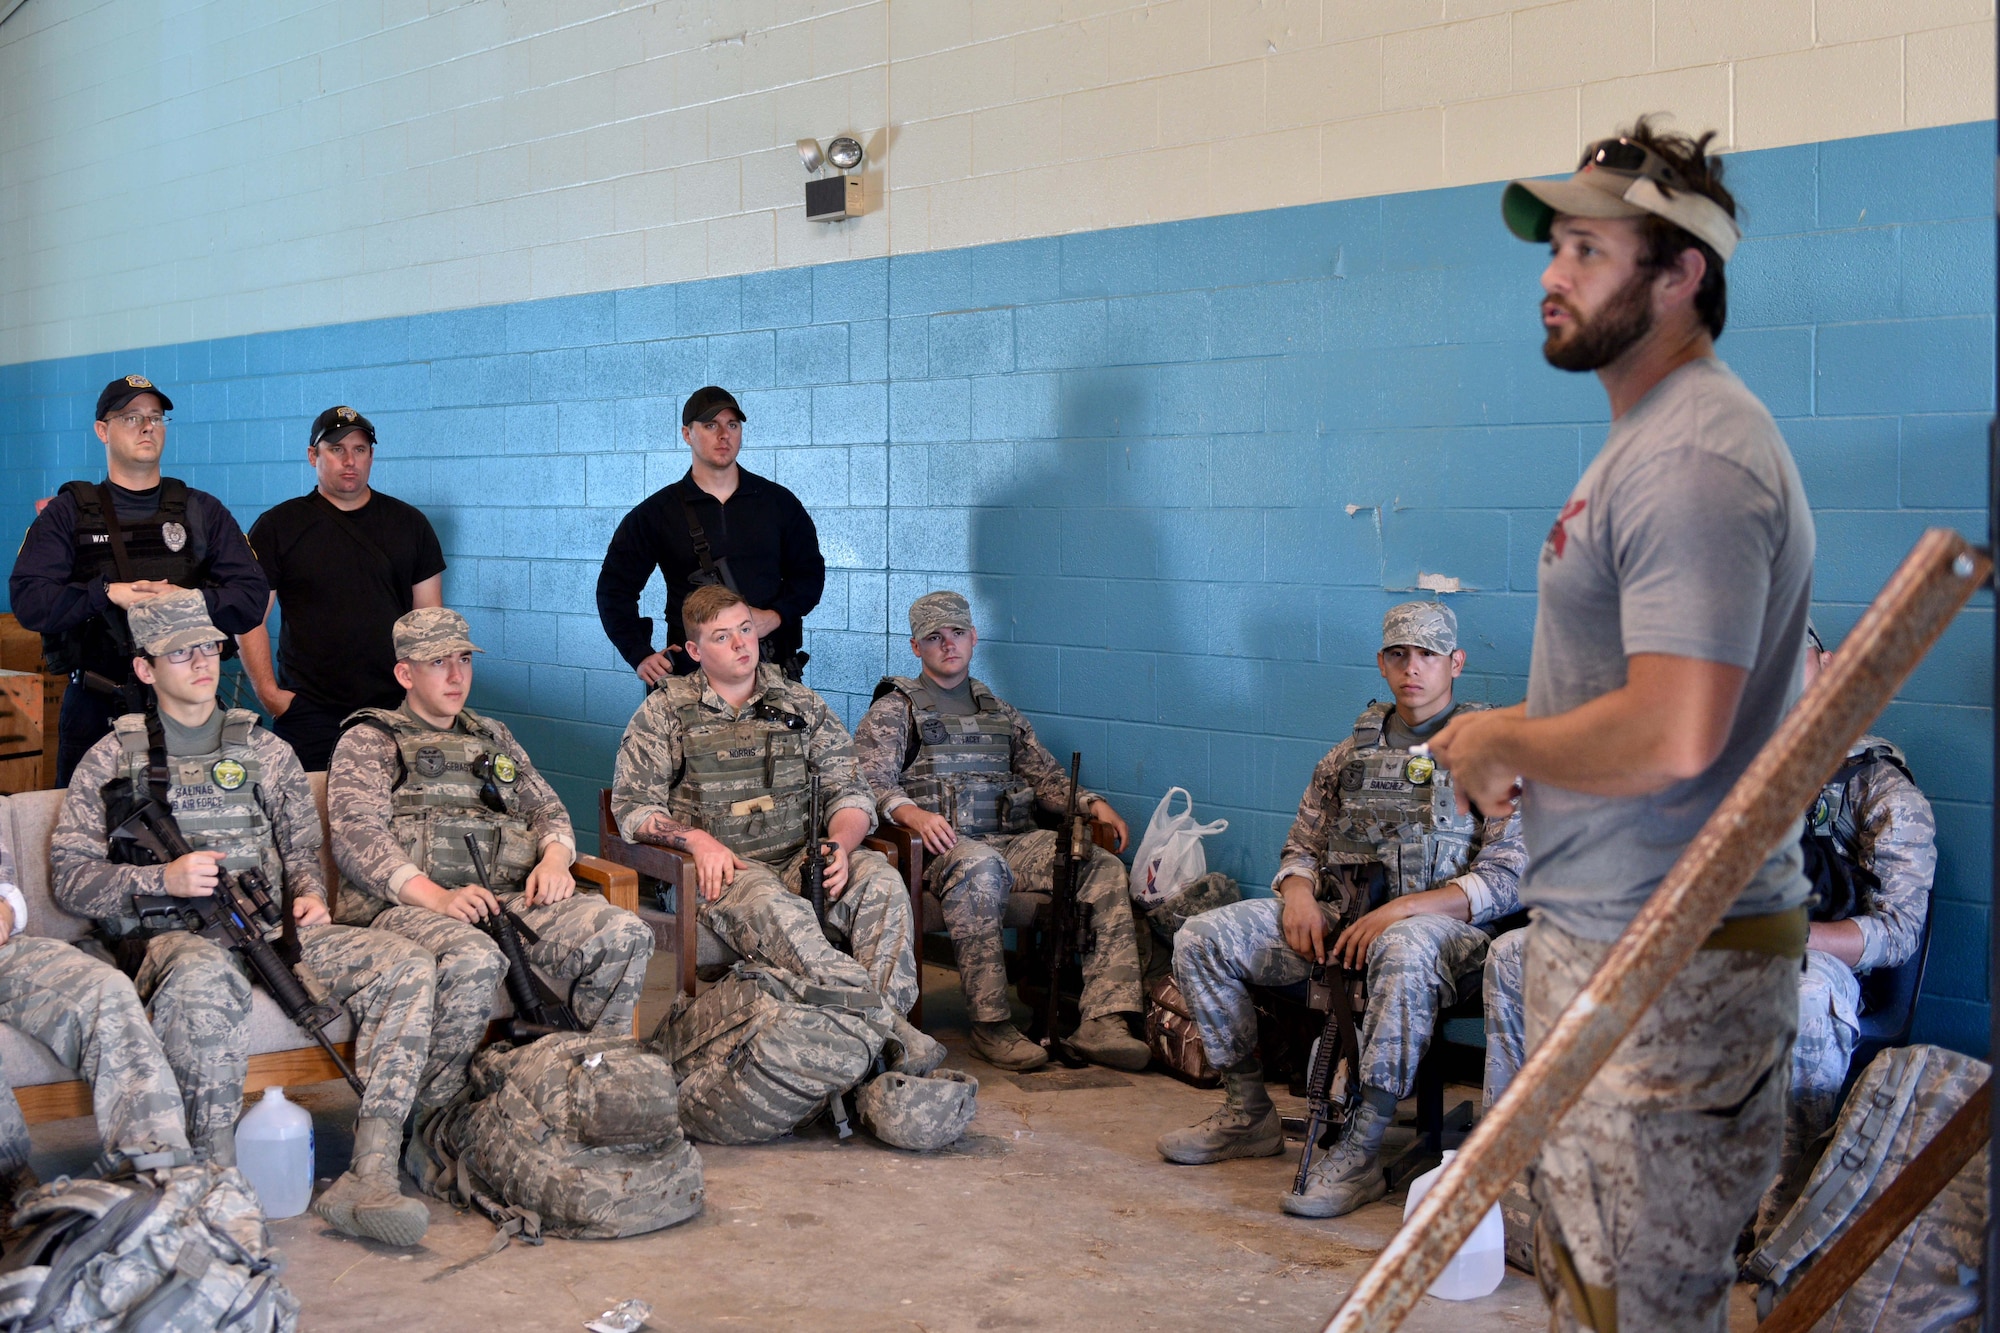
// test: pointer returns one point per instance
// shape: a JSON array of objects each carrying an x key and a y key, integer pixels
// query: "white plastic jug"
[
  {"x": 1481, "y": 1262},
  {"x": 274, "y": 1150}
]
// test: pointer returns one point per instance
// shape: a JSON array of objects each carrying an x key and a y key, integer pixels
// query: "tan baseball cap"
[
  {"x": 177, "y": 619},
  {"x": 431, "y": 632},
  {"x": 1609, "y": 191},
  {"x": 939, "y": 610}
]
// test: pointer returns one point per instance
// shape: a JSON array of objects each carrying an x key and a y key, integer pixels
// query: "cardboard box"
[
  {"x": 20, "y": 649},
  {"x": 21, "y": 704}
]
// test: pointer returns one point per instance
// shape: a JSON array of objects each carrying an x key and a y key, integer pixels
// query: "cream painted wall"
[{"x": 177, "y": 169}]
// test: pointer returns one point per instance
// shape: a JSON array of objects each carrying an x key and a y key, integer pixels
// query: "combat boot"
[
  {"x": 1108, "y": 1040},
  {"x": 1245, "y": 1125},
  {"x": 1348, "y": 1175},
  {"x": 920, "y": 1052},
  {"x": 1002, "y": 1045},
  {"x": 368, "y": 1201}
]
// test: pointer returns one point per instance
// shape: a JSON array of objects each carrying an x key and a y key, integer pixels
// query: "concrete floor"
[{"x": 1054, "y": 1212}]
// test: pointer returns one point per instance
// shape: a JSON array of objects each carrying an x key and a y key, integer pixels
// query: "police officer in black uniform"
[
  {"x": 99, "y": 548},
  {"x": 722, "y": 524}
]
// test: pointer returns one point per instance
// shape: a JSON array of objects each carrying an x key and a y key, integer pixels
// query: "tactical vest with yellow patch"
[
  {"x": 742, "y": 781},
  {"x": 1398, "y": 830},
  {"x": 448, "y": 784},
  {"x": 962, "y": 767}
]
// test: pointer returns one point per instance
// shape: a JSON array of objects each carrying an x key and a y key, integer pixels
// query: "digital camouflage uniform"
[
  {"x": 1882, "y": 822},
  {"x": 402, "y": 795},
  {"x": 1375, "y": 823},
  {"x": 248, "y": 800},
  {"x": 740, "y": 775},
  {"x": 86, "y": 1012},
  {"x": 986, "y": 773}
]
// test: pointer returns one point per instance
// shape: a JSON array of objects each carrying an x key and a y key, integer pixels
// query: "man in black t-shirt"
[
  {"x": 98, "y": 549},
  {"x": 719, "y": 524},
  {"x": 344, "y": 562}
]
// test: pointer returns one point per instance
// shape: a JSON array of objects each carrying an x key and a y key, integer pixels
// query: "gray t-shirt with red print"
[{"x": 1688, "y": 535}]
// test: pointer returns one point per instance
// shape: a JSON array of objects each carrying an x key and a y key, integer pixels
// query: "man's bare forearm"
[
  {"x": 662, "y": 831},
  {"x": 255, "y": 647}
]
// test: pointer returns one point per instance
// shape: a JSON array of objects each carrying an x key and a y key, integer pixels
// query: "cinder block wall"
[{"x": 1182, "y": 336}]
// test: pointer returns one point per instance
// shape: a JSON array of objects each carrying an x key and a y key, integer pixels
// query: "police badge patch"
[
  {"x": 430, "y": 761},
  {"x": 174, "y": 535},
  {"x": 503, "y": 768},
  {"x": 1419, "y": 770},
  {"x": 227, "y": 774},
  {"x": 1350, "y": 778},
  {"x": 932, "y": 731}
]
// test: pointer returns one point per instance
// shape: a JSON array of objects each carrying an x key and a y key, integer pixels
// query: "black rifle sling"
[
  {"x": 702, "y": 551},
  {"x": 115, "y": 533}
]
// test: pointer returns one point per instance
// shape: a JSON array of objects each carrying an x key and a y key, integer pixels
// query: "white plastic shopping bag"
[{"x": 1170, "y": 856}]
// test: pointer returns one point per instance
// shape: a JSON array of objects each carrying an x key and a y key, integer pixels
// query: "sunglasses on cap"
[{"x": 1632, "y": 159}]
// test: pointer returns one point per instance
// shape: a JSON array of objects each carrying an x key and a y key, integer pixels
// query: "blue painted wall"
[{"x": 1180, "y": 469}]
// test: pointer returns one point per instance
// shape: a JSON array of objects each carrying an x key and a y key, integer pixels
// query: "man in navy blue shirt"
[
  {"x": 720, "y": 524},
  {"x": 98, "y": 549}
]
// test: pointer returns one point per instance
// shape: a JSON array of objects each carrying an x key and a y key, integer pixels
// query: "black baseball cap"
[
  {"x": 337, "y": 421},
  {"x": 123, "y": 390},
  {"x": 705, "y": 402}
]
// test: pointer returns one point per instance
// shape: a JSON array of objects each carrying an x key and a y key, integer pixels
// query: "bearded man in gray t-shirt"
[{"x": 1669, "y": 641}]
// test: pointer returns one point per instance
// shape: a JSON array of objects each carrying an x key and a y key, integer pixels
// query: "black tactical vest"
[{"x": 157, "y": 546}]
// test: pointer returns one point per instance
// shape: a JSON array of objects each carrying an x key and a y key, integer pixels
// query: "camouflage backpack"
[
  {"x": 181, "y": 1250},
  {"x": 1928, "y": 1277},
  {"x": 573, "y": 1135},
  {"x": 762, "y": 1051}
]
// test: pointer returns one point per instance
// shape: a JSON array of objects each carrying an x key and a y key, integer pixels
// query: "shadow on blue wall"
[{"x": 1181, "y": 469}]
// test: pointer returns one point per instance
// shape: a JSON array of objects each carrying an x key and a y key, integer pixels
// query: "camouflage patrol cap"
[
  {"x": 431, "y": 632},
  {"x": 919, "y": 1113},
  {"x": 1422, "y": 625},
  {"x": 939, "y": 610},
  {"x": 177, "y": 619}
]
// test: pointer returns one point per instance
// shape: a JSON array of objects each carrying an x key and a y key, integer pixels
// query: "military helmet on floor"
[{"x": 918, "y": 1113}]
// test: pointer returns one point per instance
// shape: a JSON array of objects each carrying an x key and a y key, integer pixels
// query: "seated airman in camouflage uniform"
[
  {"x": 405, "y": 787},
  {"x": 717, "y": 765},
  {"x": 242, "y": 801},
  {"x": 88, "y": 1014},
  {"x": 1871, "y": 851},
  {"x": 953, "y": 763},
  {"x": 1379, "y": 838}
]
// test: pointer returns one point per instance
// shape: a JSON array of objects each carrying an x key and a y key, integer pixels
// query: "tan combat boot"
[
  {"x": 1245, "y": 1125},
  {"x": 1349, "y": 1174},
  {"x": 368, "y": 1201},
  {"x": 1108, "y": 1040},
  {"x": 1002, "y": 1046}
]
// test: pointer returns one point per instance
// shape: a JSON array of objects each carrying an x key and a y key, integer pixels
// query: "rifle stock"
[{"x": 537, "y": 1011}]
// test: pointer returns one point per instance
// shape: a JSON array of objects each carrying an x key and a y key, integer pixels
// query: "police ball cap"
[
  {"x": 1421, "y": 624},
  {"x": 171, "y": 621},
  {"x": 123, "y": 390},
  {"x": 705, "y": 402},
  {"x": 939, "y": 610},
  {"x": 337, "y": 422},
  {"x": 431, "y": 632}
]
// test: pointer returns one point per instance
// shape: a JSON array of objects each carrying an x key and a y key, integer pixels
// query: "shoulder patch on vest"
[{"x": 237, "y": 724}]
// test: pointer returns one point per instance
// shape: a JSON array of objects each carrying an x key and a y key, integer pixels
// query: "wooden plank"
[
  {"x": 21, "y": 731},
  {"x": 1894, "y": 1209},
  {"x": 1926, "y": 591},
  {"x": 44, "y": 1102},
  {"x": 20, "y": 649}
]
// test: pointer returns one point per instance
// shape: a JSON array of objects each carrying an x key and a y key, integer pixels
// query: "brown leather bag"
[{"x": 1170, "y": 1032}]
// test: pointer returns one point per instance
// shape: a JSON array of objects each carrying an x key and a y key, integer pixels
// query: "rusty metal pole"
[{"x": 1920, "y": 599}]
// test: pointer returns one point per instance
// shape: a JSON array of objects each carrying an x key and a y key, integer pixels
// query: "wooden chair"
[{"x": 673, "y": 869}]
